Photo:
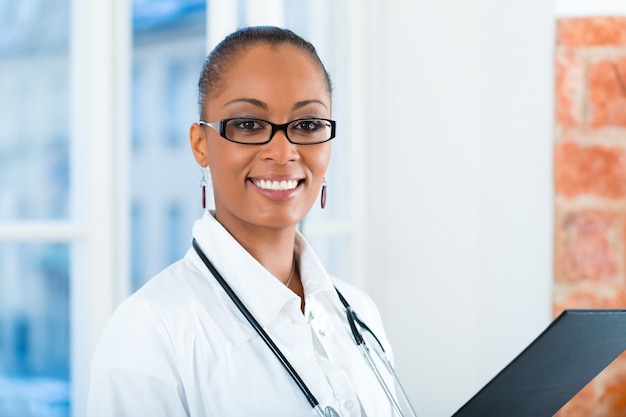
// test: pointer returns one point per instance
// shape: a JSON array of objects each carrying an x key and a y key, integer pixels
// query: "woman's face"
[{"x": 278, "y": 84}]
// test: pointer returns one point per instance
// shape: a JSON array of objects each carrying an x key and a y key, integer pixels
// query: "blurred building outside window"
[{"x": 34, "y": 188}]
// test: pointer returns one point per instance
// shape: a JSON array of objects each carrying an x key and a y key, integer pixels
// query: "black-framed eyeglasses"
[{"x": 250, "y": 131}]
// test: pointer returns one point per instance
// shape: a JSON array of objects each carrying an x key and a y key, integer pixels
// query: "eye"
[
  {"x": 247, "y": 125},
  {"x": 308, "y": 125}
]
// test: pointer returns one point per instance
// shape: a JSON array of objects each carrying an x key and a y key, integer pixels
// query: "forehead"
[{"x": 264, "y": 71}]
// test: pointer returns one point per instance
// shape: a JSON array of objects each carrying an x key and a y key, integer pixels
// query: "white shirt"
[{"x": 179, "y": 346}]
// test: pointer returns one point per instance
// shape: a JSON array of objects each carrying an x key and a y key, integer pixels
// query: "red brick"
[
  {"x": 590, "y": 245},
  {"x": 604, "y": 396},
  {"x": 587, "y": 247},
  {"x": 586, "y": 299},
  {"x": 594, "y": 170},
  {"x": 607, "y": 93},
  {"x": 612, "y": 401},
  {"x": 596, "y": 31},
  {"x": 569, "y": 86}
]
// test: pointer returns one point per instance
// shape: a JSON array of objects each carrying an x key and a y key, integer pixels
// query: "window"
[
  {"x": 34, "y": 197},
  {"x": 168, "y": 52}
]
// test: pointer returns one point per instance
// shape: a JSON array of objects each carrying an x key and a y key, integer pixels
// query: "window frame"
[{"x": 100, "y": 42}]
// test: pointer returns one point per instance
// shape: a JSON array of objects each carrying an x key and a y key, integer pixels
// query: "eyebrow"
[
  {"x": 253, "y": 101},
  {"x": 301, "y": 104},
  {"x": 263, "y": 105}
]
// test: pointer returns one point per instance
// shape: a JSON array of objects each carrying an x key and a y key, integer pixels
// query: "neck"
[{"x": 271, "y": 247}]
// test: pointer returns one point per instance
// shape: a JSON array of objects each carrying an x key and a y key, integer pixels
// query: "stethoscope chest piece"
[{"x": 330, "y": 412}]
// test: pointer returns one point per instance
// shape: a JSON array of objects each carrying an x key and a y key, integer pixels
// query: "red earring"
[
  {"x": 203, "y": 184},
  {"x": 323, "y": 198}
]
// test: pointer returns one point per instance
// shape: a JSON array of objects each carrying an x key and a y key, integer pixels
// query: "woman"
[{"x": 180, "y": 346}]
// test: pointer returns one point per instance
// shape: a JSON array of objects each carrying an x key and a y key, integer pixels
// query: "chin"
[{"x": 280, "y": 219}]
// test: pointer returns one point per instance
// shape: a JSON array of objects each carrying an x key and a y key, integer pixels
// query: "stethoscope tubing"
[
  {"x": 255, "y": 324},
  {"x": 370, "y": 361},
  {"x": 392, "y": 371},
  {"x": 353, "y": 319}
]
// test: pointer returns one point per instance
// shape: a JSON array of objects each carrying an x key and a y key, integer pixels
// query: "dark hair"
[{"x": 237, "y": 42}]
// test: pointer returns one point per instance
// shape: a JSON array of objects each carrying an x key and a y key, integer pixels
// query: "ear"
[{"x": 198, "y": 144}]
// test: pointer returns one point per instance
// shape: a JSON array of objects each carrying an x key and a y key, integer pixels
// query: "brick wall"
[{"x": 590, "y": 187}]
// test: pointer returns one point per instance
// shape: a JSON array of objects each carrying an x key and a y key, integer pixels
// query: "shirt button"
[
  {"x": 321, "y": 333},
  {"x": 349, "y": 404}
]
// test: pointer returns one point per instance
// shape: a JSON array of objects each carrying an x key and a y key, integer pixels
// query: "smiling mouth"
[{"x": 284, "y": 185}]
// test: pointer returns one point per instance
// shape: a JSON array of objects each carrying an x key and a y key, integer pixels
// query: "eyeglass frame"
[{"x": 220, "y": 127}]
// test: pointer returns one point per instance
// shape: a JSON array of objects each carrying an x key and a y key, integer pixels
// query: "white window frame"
[{"x": 100, "y": 41}]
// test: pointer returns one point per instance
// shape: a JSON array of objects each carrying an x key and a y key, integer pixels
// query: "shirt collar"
[{"x": 258, "y": 289}]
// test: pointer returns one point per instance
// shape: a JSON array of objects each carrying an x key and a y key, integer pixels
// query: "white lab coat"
[{"x": 180, "y": 347}]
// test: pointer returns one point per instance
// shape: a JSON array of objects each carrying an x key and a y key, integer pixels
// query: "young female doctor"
[{"x": 249, "y": 323}]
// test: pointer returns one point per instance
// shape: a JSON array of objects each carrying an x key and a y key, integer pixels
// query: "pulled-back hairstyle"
[{"x": 222, "y": 55}]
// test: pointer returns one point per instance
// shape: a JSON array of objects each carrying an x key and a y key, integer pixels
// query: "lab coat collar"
[{"x": 263, "y": 294}]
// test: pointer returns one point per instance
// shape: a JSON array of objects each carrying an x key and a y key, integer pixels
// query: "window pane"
[
  {"x": 297, "y": 16},
  {"x": 34, "y": 330},
  {"x": 34, "y": 185},
  {"x": 34, "y": 169},
  {"x": 168, "y": 52}
]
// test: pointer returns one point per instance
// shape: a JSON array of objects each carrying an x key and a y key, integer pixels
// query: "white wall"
[{"x": 459, "y": 221}]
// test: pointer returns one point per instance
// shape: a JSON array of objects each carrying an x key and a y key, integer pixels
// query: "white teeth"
[{"x": 276, "y": 185}]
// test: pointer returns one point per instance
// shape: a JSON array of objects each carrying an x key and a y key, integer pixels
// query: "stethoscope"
[{"x": 353, "y": 320}]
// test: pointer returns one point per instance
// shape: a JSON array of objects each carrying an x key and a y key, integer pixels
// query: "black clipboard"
[{"x": 574, "y": 348}]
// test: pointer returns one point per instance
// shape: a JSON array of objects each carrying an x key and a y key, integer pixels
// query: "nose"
[{"x": 279, "y": 149}]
